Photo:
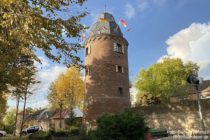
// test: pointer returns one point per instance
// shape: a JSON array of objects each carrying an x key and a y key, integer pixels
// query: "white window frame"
[
  {"x": 88, "y": 50},
  {"x": 117, "y": 68},
  {"x": 116, "y": 48}
]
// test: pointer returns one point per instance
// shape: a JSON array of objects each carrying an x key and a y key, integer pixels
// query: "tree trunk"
[
  {"x": 16, "y": 114},
  {"x": 71, "y": 103},
  {"x": 61, "y": 107},
  {"x": 24, "y": 109}
]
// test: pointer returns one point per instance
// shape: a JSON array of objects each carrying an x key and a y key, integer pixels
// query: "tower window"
[
  {"x": 119, "y": 69},
  {"x": 118, "y": 48},
  {"x": 88, "y": 50},
  {"x": 87, "y": 71},
  {"x": 120, "y": 91}
]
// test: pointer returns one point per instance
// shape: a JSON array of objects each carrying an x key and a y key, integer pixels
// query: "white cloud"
[
  {"x": 192, "y": 44},
  {"x": 46, "y": 74},
  {"x": 45, "y": 62},
  {"x": 129, "y": 11},
  {"x": 143, "y": 5}
]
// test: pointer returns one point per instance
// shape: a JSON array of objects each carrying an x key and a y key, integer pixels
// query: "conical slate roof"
[{"x": 106, "y": 25}]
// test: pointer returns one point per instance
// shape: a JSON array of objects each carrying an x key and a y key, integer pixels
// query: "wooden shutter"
[
  {"x": 89, "y": 49},
  {"x": 115, "y": 47},
  {"x": 123, "y": 49},
  {"x": 116, "y": 68}
]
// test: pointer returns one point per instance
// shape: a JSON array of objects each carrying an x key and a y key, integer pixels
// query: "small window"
[
  {"x": 88, "y": 50},
  {"x": 119, "y": 69},
  {"x": 120, "y": 91},
  {"x": 87, "y": 71},
  {"x": 118, "y": 48}
]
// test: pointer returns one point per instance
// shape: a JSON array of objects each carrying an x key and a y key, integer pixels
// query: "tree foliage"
[
  {"x": 128, "y": 125},
  {"x": 68, "y": 89},
  {"x": 28, "y": 26},
  {"x": 3, "y": 107},
  {"x": 163, "y": 79},
  {"x": 146, "y": 99},
  {"x": 27, "y": 84},
  {"x": 9, "y": 120}
]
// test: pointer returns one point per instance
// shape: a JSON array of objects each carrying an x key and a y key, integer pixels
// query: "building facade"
[{"x": 107, "y": 74}]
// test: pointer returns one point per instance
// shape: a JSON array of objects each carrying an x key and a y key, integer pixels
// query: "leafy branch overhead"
[
  {"x": 31, "y": 26},
  {"x": 24, "y": 24}
]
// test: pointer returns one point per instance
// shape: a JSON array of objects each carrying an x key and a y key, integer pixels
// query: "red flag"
[{"x": 123, "y": 23}]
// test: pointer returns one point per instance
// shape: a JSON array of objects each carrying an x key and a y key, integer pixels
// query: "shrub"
[
  {"x": 41, "y": 135},
  {"x": 14, "y": 138},
  {"x": 88, "y": 136},
  {"x": 128, "y": 125},
  {"x": 74, "y": 130}
]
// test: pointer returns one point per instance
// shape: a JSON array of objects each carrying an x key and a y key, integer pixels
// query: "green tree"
[
  {"x": 146, "y": 99},
  {"x": 67, "y": 91},
  {"x": 27, "y": 86},
  {"x": 9, "y": 120},
  {"x": 3, "y": 103},
  {"x": 163, "y": 79},
  {"x": 28, "y": 26},
  {"x": 128, "y": 125},
  {"x": 17, "y": 94}
]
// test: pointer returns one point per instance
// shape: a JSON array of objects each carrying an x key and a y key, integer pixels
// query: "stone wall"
[{"x": 177, "y": 117}]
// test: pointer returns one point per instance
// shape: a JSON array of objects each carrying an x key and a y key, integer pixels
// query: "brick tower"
[{"x": 106, "y": 78}]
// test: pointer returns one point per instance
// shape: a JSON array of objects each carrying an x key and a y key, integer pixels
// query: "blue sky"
[
  {"x": 152, "y": 22},
  {"x": 159, "y": 28}
]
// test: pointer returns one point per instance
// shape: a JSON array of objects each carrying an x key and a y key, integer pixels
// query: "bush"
[
  {"x": 74, "y": 130},
  {"x": 59, "y": 134},
  {"x": 41, "y": 135},
  {"x": 88, "y": 136},
  {"x": 128, "y": 125},
  {"x": 14, "y": 138}
]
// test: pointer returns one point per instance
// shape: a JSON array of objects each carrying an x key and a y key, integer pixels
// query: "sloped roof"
[
  {"x": 107, "y": 27},
  {"x": 66, "y": 112},
  {"x": 77, "y": 112},
  {"x": 45, "y": 114},
  {"x": 36, "y": 115},
  {"x": 27, "y": 112}
]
